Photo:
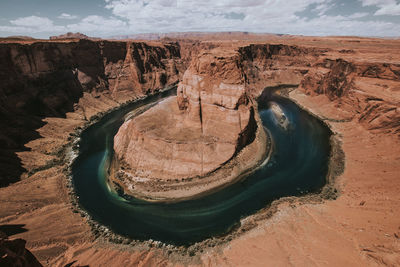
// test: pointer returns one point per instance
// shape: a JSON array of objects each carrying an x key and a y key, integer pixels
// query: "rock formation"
[
  {"x": 279, "y": 116},
  {"x": 365, "y": 90},
  {"x": 211, "y": 120},
  {"x": 274, "y": 65},
  {"x": 195, "y": 133},
  {"x": 70, "y": 35},
  {"x": 48, "y": 80}
]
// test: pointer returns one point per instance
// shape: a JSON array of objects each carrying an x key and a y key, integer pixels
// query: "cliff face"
[
  {"x": 48, "y": 79},
  {"x": 213, "y": 95},
  {"x": 270, "y": 65},
  {"x": 365, "y": 90},
  {"x": 196, "y": 132},
  {"x": 145, "y": 68}
]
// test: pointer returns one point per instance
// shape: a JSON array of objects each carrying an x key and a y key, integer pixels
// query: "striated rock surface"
[
  {"x": 49, "y": 79},
  {"x": 196, "y": 132},
  {"x": 366, "y": 91},
  {"x": 276, "y": 65}
]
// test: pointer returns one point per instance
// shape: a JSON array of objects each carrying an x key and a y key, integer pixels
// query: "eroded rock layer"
[
  {"x": 50, "y": 79},
  {"x": 365, "y": 90}
]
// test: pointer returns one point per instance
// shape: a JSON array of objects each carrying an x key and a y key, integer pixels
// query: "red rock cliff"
[
  {"x": 365, "y": 90},
  {"x": 48, "y": 79},
  {"x": 270, "y": 65}
]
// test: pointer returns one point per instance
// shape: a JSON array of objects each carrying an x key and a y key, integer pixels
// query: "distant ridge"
[
  {"x": 71, "y": 35},
  {"x": 196, "y": 35},
  {"x": 17, "y": 38}
]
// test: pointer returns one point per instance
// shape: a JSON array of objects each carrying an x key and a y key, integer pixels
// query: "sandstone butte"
[
  {"x": 50, "y": 88},
  {"x": 191, "y": 137}
]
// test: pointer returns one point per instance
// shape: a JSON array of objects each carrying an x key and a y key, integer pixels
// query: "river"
[{"x": 298, "y": 165}]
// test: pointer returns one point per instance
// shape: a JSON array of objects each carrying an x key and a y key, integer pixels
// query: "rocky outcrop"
[
  {"x": 271, "y": 65},
  {"x": 145, "y": 68},
  {"x": 49, "y": 79},
  {"x": 196, "y": 132},
  {"x": 363, "y": 89},
  {"x": 70, "y": 35},
  {"x": 334, "y": 83}
]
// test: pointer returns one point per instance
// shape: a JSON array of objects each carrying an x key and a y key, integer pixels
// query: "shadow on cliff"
[
  {"x": 52, "y": 95},
  {"x": 36, "y": 82},
  {"x": 72, "y": 264},
  {"x": 12, "y": 229},
  {"x": 46, "y": 79},
  {"x": 13, "y": 252}
]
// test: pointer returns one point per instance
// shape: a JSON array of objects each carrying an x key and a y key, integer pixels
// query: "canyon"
[{"x": 52, "y": 90}]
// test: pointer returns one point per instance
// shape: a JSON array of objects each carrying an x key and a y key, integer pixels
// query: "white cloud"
[
  {"x": 386, "y": 7},
  {"x": 322, "y": 8},
  {"x": 32, "y": 21},
  {"x": 94, "y": 25},
  {"x": 258, "y": 15},
  {"x": 207, "y": 15},
  {"x": 389, "y": 10},
  {"x": 67, "y": 16},
  {"x": 358, "y": 15},
  {"x": 376, "y": 2},
  {"x": 15, "y": 29},
  {"x": 32, "y": 24},
  {"x": 273, "y": 16}
]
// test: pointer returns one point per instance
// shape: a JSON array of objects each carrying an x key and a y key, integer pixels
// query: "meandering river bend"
[{"x": 298, "y": 165}]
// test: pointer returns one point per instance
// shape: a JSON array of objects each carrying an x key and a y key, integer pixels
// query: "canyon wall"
[
  {"x": 366, "y": 90},
  {"x": 272, "y": 65},
  {"x": 49, "y": 79}
]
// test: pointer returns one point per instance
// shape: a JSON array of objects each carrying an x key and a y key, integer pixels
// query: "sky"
[{"x": 107, "y": 18}]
